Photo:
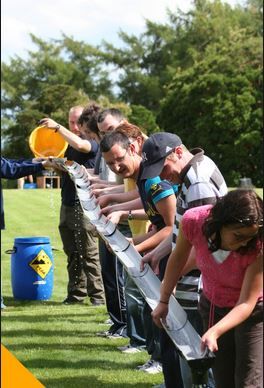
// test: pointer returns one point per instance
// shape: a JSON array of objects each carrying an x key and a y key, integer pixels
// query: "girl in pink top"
[{"x": 227, "y": 240}]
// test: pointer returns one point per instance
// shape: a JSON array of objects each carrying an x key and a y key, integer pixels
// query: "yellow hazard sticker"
[{"x": 41, "y": 264}]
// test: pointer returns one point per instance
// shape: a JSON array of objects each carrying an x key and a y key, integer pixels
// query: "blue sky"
[{"x": 87, "y": 20}]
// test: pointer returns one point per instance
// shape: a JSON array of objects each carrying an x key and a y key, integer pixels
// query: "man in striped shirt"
[{"x": 201, "y": 183}]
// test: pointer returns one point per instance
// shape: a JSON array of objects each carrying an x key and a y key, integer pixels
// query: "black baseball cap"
[{"x": 155, "y": 150}]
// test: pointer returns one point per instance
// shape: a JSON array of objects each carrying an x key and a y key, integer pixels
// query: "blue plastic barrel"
[
  {"x": 32, "y": 268},
  {"x": 30, "y": 186}
]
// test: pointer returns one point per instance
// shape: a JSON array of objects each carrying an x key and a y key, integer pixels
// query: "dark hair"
[
  {"x": 110, "y": 111},
  {"x": 243, "y": 207},
  {"x": 112, "y": 138},
  {"x": 89, "y": 117}
]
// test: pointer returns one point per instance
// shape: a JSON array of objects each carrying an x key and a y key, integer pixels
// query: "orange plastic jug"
[{"x": 45, "y": 142}]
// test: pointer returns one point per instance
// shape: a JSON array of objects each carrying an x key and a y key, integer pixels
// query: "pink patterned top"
[{"x": 221, "y": 282}]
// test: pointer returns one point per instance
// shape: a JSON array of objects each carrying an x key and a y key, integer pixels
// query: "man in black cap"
[{"x": 201, "y": 183}]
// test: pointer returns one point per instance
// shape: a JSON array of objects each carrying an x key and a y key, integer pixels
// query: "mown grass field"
[{"x": 57, "y": 343}]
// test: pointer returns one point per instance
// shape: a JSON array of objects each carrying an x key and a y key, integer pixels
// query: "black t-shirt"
[{"x": 68, "y": 192}]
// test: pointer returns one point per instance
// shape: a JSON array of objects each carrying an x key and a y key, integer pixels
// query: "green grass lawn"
[{"x": 57, "y": 343}]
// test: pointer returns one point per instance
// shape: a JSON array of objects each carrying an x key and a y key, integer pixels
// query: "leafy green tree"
[
  {"x": 199, "y": 74},
  {"x": 58, "y": 75},
  {"x": 143, "y": 118},
  {"x": 217, "y": 104}
]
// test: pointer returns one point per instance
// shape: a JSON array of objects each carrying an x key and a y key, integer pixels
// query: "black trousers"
[{"x": 114, "y": 285}]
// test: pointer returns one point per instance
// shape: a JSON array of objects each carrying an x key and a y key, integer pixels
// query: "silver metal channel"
[{"x": 179, "y": 329}]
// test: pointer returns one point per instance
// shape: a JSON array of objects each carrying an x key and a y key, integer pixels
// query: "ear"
[
  {"x": 140, "y": 141},
  {"x": 132, "y": 148},
  {"x": 178, "y": 151}
]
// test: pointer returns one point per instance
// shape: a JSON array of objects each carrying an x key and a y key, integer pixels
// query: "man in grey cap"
[{"x": 201, "y": 183}]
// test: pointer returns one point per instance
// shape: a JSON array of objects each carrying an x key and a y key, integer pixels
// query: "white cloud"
[{"x": 88, "y": 20}]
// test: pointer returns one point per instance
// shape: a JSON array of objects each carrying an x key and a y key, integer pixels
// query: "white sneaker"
[
  {"x": 108, "y": 334},
  {"x": 151, "y": 367},
  {"x": 107, "y": 322},
  {"x": 103, "y": 333},
  {"x": 128, "y": 349},
  {"x": 115, "y": 336},
  {"x": 146, "y": 365}
]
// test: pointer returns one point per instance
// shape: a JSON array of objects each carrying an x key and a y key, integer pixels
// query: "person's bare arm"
[
  {"x": 115, "y": 196},
  {"x": 166, "y": 208},
  {"x": 130, "y": 205},
  {"x": 82, "y": 145},
  {"x": 176, "y": 262}
]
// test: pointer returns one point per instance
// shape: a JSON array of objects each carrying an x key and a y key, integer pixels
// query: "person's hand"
[
  {"x": 114, "y": 217},
  {"x": 209, "y": 340},
  {"x": 48, "y": 163},
  {"x": 106, "y": 210},
  {"x": 160, "y": 313},
  {"x": 152, "y": 259},
  {"x": 103, "y": 200},
  {"x": 48, "y": 123},
  {"x": 97, "y": 192},
  {"x": 88, "y": 173},
  {"x": 38, "y": 160}
]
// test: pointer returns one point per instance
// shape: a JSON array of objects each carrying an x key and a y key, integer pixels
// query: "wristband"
[
  {"x": 161, "y": 301},
  {"x": 57, "y": 127},
  {"x": 130, "y": 217}
]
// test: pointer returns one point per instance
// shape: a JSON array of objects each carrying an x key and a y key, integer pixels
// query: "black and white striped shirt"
[{"x": 202, "y": 184}]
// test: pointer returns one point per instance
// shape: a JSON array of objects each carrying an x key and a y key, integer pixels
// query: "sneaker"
[
  {"x": 128, "y": 349},
  {"x": 144, "y": 366},
  {"x": 108, "y": 322},
  {"x": 71, "y": 300},
  {"x": 155, "y": 368},
  {"x": 103, "y": 333},
  {"x": 151, "y": 367},
  {"x": 115, "y": 336},
  {"x": 97, "y": 303},
  {"x": 109, "y": 334},
  {"x": 159, "y": 385}
]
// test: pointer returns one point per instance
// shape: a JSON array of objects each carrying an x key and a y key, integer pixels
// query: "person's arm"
[
  {"x": 94, "y": 179},
  {"x": 121, "y": 215},
  {"x": 79, "y": 144},
  {"x": 166, "y": 208},
  {"x": 102, "y": 192},
  {"x": 15, "y": 170},
  {"x": 161, "y": 250},
  {"x": 126, "y": 206},
  {"x": 99, "y": 186},
  {"x": 250, "y": 291},
  {"x": 176, "y": 262},
  {"x": 115, "y": 196}
]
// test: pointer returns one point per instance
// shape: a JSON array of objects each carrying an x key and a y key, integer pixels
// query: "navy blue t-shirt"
[
  {"x": 151, "y": 191},
  {"x": 68, "y": 192}
]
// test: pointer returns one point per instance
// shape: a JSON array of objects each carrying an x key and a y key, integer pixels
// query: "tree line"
[{"x": 198, "y": 75}]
